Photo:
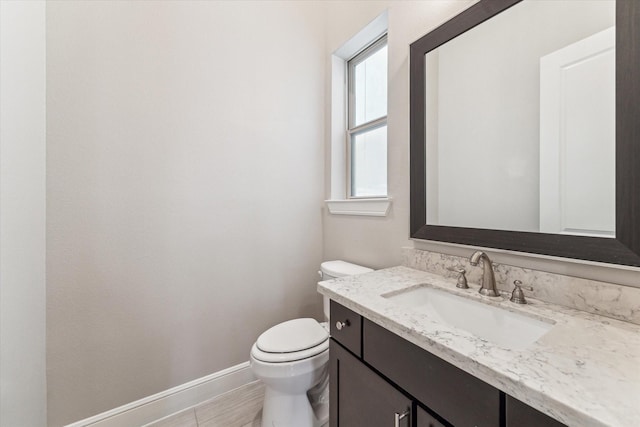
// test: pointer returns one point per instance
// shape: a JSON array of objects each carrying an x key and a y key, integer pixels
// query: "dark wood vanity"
[{"x": 380, "y": 379}]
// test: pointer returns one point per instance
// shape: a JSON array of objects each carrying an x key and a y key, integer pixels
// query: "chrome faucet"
[{"x": 488, "y": 286}]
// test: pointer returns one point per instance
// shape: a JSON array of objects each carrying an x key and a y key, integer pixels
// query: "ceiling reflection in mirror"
[{"x": 520, "y": 122}]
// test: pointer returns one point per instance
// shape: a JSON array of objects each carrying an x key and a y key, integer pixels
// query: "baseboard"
[{"x": 175, "y": 399}]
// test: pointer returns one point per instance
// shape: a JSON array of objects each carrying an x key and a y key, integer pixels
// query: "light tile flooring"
[{"x": 241, "y": 407}]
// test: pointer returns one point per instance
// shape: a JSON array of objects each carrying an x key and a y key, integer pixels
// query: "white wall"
[
  {"x": 22, "y": 214},
  {"x": 185, "y": 188}
]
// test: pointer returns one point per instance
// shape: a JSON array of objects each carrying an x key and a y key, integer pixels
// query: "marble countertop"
[{"x": 584, "y": 372}]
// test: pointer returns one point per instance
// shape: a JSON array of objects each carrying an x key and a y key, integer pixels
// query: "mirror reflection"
[{"x": 520, "y": 122}]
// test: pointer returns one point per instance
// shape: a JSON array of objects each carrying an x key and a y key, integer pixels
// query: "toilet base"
[{"x": 291, "y": 410}]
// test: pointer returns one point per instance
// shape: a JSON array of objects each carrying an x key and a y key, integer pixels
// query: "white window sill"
[{"x": 362, "y": 207}]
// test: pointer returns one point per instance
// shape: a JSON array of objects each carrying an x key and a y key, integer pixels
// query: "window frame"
[{"x": 352, "y": 131}]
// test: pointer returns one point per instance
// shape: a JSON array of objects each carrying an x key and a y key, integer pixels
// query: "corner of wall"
[{"x": 22, "y": 213}]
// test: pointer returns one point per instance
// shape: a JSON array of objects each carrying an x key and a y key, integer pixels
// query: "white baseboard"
[{"x": 170, "y": 401}]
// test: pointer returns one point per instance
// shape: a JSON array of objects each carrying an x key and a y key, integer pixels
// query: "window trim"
[
  {"x": 373, "y": 124},
  {"x": 360, "y": 207}
]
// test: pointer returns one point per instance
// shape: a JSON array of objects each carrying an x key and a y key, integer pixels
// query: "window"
[
  {"x": 367, "y": 122},
  {"x": 358, "y": 119}
]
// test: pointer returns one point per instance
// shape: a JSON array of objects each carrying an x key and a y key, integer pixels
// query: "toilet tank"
[{"x": 332, "y": 269}]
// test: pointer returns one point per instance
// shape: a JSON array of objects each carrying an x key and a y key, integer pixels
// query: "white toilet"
[{"x": 292, "y": 359}]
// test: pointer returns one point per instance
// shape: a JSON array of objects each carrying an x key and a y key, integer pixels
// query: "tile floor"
[{"x": 240, "y": 407}]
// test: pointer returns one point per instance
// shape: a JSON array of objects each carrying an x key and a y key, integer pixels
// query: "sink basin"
[{"x": 491, "y": 323}]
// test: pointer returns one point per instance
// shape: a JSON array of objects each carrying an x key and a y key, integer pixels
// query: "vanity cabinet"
[
  {"x": 425, "y": 419},
  {"x": 384, "y": 380},
  {"x": 456, "y": 396},
  {"x": 522, "y": 415}
]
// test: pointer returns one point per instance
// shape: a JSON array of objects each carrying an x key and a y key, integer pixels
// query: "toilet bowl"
[{"x": 292, "y": 360}]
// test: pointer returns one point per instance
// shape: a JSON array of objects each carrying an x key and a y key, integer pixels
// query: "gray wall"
[
  {"x": 374, "y": 241},
  {"x": 184, "y": 190}
]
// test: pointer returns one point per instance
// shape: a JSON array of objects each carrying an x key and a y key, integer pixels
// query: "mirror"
[
  {"x": 518, "y": 138},
  {"x": 517, "y": 123}
]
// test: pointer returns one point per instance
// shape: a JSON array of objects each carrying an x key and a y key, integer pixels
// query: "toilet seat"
[
  {"x": 293, "y": 356},
  {"x": 292, "y": 340}
]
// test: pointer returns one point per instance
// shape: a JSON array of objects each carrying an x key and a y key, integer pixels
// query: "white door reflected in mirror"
[{"x": 577, "y": 138}]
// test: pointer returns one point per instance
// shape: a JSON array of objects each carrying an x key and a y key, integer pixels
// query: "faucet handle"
[
  {"x": 517, "y": 296},
  {"x": 462, "y": 279}
]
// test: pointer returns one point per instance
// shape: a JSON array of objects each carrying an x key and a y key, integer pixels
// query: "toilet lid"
[
  {"x": 340, "y": 268},
  {"x": 292, "y": 336}
]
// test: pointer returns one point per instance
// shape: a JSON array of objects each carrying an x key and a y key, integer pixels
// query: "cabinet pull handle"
[
  {"x": 400, "y": 417},
  {"x": 340, "y": 325}
]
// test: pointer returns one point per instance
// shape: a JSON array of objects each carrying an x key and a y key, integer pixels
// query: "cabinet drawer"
[
  {"x": 523, "y": 415},
  {"x": 350, "y": 334},
  {"x": 461, "y": 399}
]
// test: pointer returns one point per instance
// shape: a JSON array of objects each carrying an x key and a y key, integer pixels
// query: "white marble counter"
[{"x": 584, "y": 372}]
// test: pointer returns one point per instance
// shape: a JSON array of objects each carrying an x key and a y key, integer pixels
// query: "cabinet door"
[
  {"x": 522, "y": 415},
  {"x": 359, "y": 397},
  {"x": 426, "y": 420}
]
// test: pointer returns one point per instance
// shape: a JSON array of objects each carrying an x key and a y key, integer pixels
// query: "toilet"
[{"x": 292, "y": 360}]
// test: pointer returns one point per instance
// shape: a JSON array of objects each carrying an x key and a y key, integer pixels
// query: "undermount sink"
[{"x": 499, "y": 326}]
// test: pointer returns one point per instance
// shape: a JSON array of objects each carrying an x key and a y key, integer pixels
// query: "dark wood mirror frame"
[{"x": 624, "y": 249}]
